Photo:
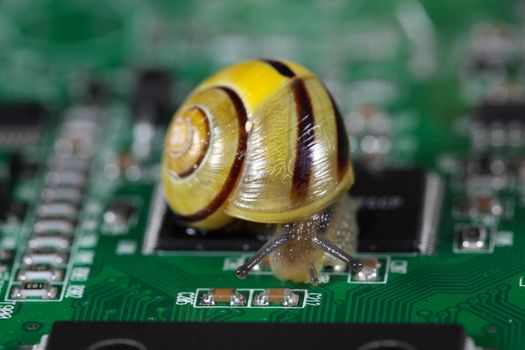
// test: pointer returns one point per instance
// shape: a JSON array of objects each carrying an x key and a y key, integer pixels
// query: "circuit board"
[{"x": 432, "y": 95}]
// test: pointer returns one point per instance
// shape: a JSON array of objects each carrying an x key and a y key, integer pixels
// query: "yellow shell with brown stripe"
[{"x": 261, "y": 140}]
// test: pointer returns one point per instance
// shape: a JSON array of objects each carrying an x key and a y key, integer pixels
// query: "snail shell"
[{"x": 261, "y": 141}]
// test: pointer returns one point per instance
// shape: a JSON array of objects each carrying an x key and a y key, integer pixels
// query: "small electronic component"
[
  {"x": 69, "y": 163},
  {"x": 34, "y": 290},
  {"x": 521, "y": 170},
  {"x": 16, "y": 212},
  {"x": 96, "y": 92},
  {"x": 151, "y": 104},
  {"x": 21, "y": 122},
  {"x": 123, "y": 164},
  {"x": 307, "y": 336},
  {"x": 62, "y": 194},
  {"x": 152, "y": 97},
  {"x": 492, "y": 49},
  {"x": 78, "y": 132},
  {"x": 486, "y": 171},
  {"x": 276, "y": 296},
  {"x": 15, "y": 165},
  {"x": 44, "y": 256},
  {"x": 480, "y": 205},
  {"x": 119, "y": 216},
  {"x": 11, "y": 211},
  {"x": 499, "y": 124},
  {"x": 49, "y": 240},
  {"x": 5, "y": 200},
  {"x": 124, "y": 161},
  {"x": 493, "y": 62},
  {"x": 67, "y": 178},
  {"x": 472, "y": 239},
  {"x": 398, "y": 210},
  {"x": 5, "y": 254},
  {"x": 21, "y": 166},
  {"x": 228, "y": 296},
  {"x": 57, "y": 210},
  {"x": 51, "y": 226},
  {"x": 370, "y": 133},
  {"x": 369, "y": 272},
  {"x": 40, "y": 272}
]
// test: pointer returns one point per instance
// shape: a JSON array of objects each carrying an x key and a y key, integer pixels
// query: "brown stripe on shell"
[
  {"x": 305, "y": 140},
  {"x": 235, "y": 170},
  {"x": 343, "y": 148},
  {"x": 195, "y": 166},
  {"x": 280, "y": 67}
]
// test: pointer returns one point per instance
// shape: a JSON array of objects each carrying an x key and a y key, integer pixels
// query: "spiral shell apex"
[{"x": 262, "y": 141}]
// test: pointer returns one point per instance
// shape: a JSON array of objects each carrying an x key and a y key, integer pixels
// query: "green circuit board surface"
[{"x": 404, "y": 60}]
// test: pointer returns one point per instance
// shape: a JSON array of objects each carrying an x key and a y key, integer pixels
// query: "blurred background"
[{"x": 393, "y": 66}]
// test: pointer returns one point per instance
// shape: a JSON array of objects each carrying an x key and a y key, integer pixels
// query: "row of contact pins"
[{"x": 43, "y": 268}]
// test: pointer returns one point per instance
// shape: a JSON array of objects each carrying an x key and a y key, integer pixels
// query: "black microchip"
[
  {"x": 240, "y": 336},
  {"x": 504, "y": 113},
  {"x": 21, "y": 167},
  {"x": 485, "y": 164},
  {"x": 21, "y": 122},
  {"x": 10, "y": 210},
  {"x": 391, "y": 211},
  {"x": 152, "y": 97},
  {"x": 5, "y": 200},
  {"x": 237, "y": 237},
  {"x": 21, "y": 115},
  {"x": 487, "y": 62},
  {"x": 97, "y": 92}
]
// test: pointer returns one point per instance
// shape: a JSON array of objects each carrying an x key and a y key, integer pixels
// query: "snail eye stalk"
[
  {"x": 265, "y": 250},
  {"x": 336, "y": 252}
]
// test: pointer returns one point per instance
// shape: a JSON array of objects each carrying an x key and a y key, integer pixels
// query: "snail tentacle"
[
  {"x": 265, "y": 250},
  {"x": 336, "y": 252}
]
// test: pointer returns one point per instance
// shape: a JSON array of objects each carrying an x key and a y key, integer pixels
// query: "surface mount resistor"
[
  {"x": 276, "y": 296},
  {"x": 34, "y": 290},
  {"x": 49, "y": 240},
  {"x": 45, "y": 256},
  {"x": 223, "y": 295},
  {"x": 55, "y": 225},
  {"x": 40, "y": 272}
]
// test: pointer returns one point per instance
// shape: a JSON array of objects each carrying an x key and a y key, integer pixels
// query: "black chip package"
[
  {"x": 240, "y": 336},
  {"x": 152, "y": 95},
  {"x": 240, "y": 236},
  {"x": 5, "y": 200},
  {"x": 21, "y": 122},
  {"x": 398, "y": 213},
  {"x": 398, "y": 209},
  {"x": 21, "y": 114},
  {"x": 503, "y": 113}
]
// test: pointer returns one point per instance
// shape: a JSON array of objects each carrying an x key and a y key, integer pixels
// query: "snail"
[{"x": 263, "y": 141}]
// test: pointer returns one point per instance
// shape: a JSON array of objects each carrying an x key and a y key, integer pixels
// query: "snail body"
[{"x": 261, "y": 141}]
